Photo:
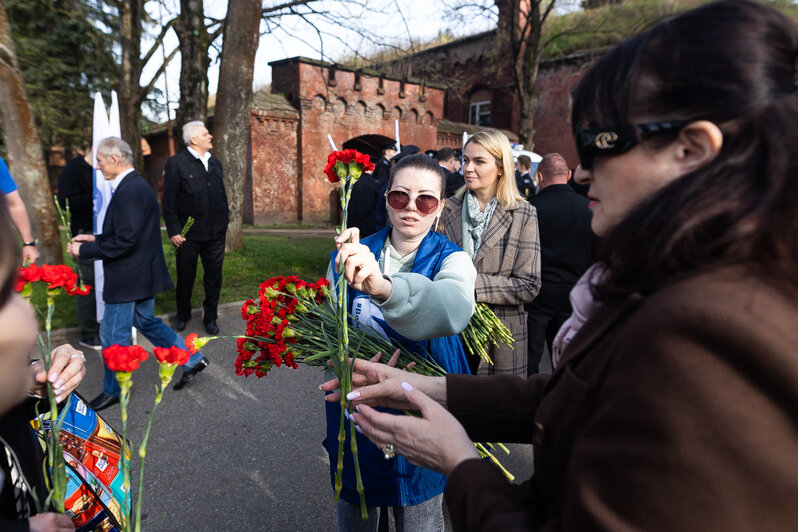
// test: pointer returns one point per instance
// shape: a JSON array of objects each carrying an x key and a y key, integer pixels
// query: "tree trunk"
[
  {"x": 194, "y": 63},
  {"x": 130, "y": 98},
  {"x": 233, "y": 106},
  {"x": 25, "y": 154}
]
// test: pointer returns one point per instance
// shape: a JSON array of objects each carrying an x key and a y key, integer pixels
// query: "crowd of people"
[{"x": 667, "y": 296}]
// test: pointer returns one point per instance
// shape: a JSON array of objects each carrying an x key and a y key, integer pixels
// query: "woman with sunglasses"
[
  {"x": 411, "y": 284},
  {"x": 675, "y": 406},
  {"x": 498, "y": 229}
]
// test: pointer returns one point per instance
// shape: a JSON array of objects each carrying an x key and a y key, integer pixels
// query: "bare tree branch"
[
  {"x": 158, "y": 41},
  {"x": 146, "y": 90}
]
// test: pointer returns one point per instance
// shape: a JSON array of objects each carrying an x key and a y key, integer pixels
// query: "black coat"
[
  {"x": 190, "y": 190},
  {"x": 382, "y": 171},
  {"x": 130, "y": 244},
  {"x": 76, "y": 184},
  {"x": 17, "y": 434},
  {"x": 362, "y": 204},
  {"x": 454, "y": 182},
  {"x": 566, "y": 242}
]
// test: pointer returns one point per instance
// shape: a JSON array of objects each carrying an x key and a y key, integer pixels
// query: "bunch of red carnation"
[
  {"x": 271, "y": 335},
  {"x": 55, "y": 275},
  {"x": 347, "y": 163}
]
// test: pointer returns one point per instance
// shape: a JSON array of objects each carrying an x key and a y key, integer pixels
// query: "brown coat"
[
  {"x": 508, "y": 273},
  {"x": 675, "y": 411}
]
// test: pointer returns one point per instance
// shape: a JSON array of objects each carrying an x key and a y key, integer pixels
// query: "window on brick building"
[{"x": 479, "y": 108}]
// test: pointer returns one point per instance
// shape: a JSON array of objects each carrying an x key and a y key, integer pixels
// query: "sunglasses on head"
[
  {"x": 591, "y": 143},
  {"x": 425, "y": 203}
]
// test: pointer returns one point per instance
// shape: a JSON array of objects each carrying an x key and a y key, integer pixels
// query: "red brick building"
[{"x": 435, "y": 96}]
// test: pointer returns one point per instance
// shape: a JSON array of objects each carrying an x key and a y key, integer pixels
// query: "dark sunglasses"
[
  {"x": 425, "y": 204},
  {"x": 591, "y": 143}
]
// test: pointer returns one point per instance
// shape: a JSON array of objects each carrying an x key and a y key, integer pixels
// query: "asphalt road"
[{"x": 235, "y": 454}]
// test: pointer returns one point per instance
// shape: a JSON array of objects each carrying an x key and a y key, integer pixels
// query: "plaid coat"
[{"x": 508, "y": 273}]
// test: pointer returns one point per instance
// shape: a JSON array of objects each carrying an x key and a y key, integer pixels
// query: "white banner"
[
  {"x": 396, "y": 131},
  {"x": 102, "y": 127}
]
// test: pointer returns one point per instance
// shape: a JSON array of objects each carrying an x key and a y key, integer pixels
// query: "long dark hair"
[{"x": 733, "y": 63}]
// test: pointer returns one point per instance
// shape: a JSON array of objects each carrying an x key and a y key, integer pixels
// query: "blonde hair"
[{"x": 497, "y": 144}]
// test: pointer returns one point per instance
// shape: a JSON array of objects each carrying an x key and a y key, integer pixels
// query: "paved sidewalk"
[{"x": 234, "y": 454}]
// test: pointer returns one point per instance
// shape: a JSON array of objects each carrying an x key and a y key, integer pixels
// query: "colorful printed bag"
[{"x": 95, "y": 491}]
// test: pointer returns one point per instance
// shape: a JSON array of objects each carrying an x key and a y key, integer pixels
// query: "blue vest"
[{"x": 395, "y": 482}]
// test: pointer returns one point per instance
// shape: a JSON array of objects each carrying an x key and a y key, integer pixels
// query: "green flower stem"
[
  {"x": 55, "y": 453},
  {"x": 125, "y": 383},
  {"x": 165, "y": 372},
  {"x": 364, "y": 513}
]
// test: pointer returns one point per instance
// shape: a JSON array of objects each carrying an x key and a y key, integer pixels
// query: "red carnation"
[
  {"x": 79, "y": 290},
  {"x": 190, "y": 339},
  {"x": 171, "y": 355},
  {"x": 347, "y": 162},
  {"x": 124, "y": 357},
  {"x": 59, "y": 275},
  {"x": 28, "y": 274}
]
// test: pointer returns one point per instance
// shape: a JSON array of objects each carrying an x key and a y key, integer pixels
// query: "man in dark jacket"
[
  {"x": 566, "y": 248},
  {"x": 76, "y": 189},
  {"x": 382, "y": 168},
  {"x": 362, "y": 205},
  {"x": 194, "y": 187},
  {"x": 133, "y": 262}
]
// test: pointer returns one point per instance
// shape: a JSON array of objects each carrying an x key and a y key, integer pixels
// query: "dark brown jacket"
[
  {"x": 508, "y": 273},
  {"x": 676, "y": 411}
]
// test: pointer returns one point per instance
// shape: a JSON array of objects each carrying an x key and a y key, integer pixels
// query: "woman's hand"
[
  {"x": 435, "y": 440},
  {"x": 50, "y": 522},
  {"x": 362, "y": 271},
  {"x": 66, "y": 372},
  {"x": 378, "y": 384}
]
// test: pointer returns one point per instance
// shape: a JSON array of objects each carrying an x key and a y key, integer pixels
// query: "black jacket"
[
  {"x": 21, "y": 453},
  {"x": 362, "y": 205},
  {"x": 76, "y": 184},
  {"x": 190, "y": 190},
  {"x": 566, "y": 242},
  {"x": 382, "y": 171},
  {"x": 130, "y": 244}
]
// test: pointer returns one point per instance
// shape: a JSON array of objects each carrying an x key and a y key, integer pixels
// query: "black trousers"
[
  {"x": 211, "y": 252},
  {"x": 86, "y": 306},
  {"x": 545, "y": 316}
]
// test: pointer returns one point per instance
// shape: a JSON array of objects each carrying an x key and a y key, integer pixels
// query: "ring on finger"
[
  {"x": 388, "y": 451},
  {"x": 75, "y": 355}
]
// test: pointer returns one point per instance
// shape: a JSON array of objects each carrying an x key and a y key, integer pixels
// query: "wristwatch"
[{"x": 31, "y": 243}]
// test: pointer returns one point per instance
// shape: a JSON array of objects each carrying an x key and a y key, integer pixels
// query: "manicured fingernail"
[
  {"x": 358, "y": 429},
  {"x": 58, "y": 398},
  {"x": 353, "y": 395},
  {"x": 357, "y": 408},
  {"x": 53, "y": 376},
  {"x": 320, "y": 388},
  {"x": 346, "y": 414},
  {"x": 406, "y": 386},
  {"x": 59, "y": 384},
  {"x": 60, "y": 390}
]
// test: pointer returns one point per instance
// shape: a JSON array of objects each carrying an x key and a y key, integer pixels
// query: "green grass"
[{"x": 263, "y": 256}]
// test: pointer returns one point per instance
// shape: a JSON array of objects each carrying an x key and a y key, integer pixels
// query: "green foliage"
[
  {"x": 608, "y": 25},
  {"x": 263, "y": 256},
  {"x": 64, "y": 58}
]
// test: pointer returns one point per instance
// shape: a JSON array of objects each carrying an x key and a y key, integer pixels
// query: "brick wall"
[
  {"x": 273, "y": 193},
  {"x": 347, "y": 104}
]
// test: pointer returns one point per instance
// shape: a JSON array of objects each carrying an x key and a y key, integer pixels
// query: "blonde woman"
[{"x": 494, "y": 224}]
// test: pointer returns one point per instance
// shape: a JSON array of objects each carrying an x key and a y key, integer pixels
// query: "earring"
[{"x": 438, "y": 219}]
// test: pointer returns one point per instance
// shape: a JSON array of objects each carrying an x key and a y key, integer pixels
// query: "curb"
[{"x": 70, "y": 333}]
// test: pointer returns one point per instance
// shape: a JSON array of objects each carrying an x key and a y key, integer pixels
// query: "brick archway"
[{"x": 371, "y": 145}]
